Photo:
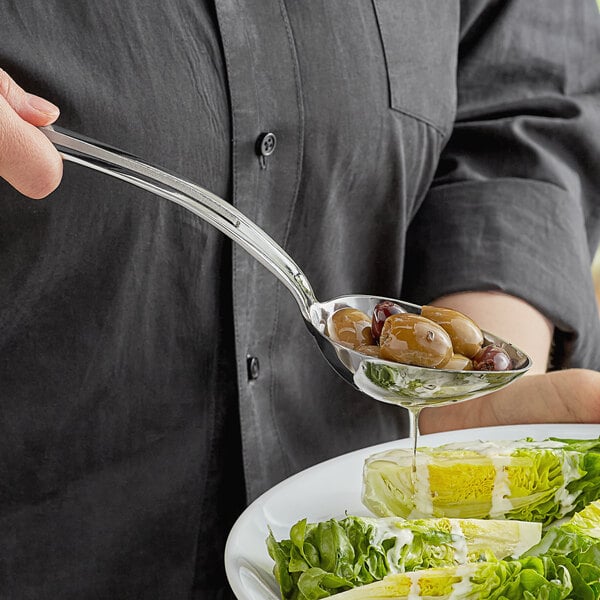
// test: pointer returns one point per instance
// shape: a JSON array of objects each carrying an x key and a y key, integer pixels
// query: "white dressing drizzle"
[
  {"x": 384, "y": 529},
  {"x": 422, "y": 490},
  {"x": 415, "y": 588},
  {"x": 462, "y": 588},
  {"x": 570, "y": 472},
  {"x": 501, "y": 503},
  {"x": 459, "y": 542}
]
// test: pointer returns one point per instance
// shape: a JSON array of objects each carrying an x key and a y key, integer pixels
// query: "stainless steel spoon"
[{"x": 406, "y": 385}]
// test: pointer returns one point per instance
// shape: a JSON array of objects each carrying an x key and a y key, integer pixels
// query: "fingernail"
[{"x": 43, "y": 106}]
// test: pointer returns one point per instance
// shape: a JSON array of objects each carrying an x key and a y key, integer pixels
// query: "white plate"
[{"x": 331, "y": 489}]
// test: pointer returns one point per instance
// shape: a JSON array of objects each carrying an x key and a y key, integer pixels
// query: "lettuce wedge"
[
  {"x": 540, "y": 481},
  {"x": 320, "y": 559},
  {"x": 523, "y": 579}
]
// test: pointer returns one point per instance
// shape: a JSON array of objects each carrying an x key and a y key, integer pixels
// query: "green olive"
[
  {"x": 370, "y": 350},
  {"x": 415, "y": 340},
  {"x": 350, "y": 326},
  {"x": 459, "y": 362},
  {"x": 466, "y": 336}
]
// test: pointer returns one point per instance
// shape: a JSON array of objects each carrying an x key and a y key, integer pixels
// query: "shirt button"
[
  {"x": 265, "y": 144},
  {"x": 253, "y": 367}
]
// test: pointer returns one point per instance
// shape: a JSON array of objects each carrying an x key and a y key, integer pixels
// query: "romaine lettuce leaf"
[
  {"x": 576, "y": 546},
  {"x": 540, "y": 481},
  {"x": 523, "y": 579},
  {"x": 320, "y": 559}
]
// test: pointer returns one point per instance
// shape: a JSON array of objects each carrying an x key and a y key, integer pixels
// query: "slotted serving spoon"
[{"x": 406, "y": 385}]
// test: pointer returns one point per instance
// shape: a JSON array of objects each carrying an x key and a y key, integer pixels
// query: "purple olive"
[
  {"x": 492, "y": 358},
  {"x": 381, "y": 312}
]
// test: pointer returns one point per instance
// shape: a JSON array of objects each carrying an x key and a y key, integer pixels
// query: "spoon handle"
[{"x": 206, "y": 205}]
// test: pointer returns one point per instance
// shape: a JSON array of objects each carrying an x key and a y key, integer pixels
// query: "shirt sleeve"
[{"x": 515, "y": 204}]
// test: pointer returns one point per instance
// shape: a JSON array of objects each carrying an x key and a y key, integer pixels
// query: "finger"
[
  {"x": 28, "y": 160},
  {"x": 568, "y": 396},
  {"x": 29, "y": 107}
]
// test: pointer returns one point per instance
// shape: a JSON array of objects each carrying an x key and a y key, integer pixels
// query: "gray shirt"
[{"x": 153, "y": 378}]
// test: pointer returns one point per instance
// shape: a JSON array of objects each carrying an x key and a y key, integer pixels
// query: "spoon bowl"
[
  {"x": 406, "y": 385},
  {"x": 403, "y": 384}
]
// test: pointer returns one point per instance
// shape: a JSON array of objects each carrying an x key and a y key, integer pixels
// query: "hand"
[
  {"x": 28, "y": 161},
  {"x": 569, "y": 396}
]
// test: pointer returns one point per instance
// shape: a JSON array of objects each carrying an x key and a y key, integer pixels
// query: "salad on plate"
[{"x": 478, "y": 520}]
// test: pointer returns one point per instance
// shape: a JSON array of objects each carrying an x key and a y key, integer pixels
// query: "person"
[{"x": 154, "y": 378}]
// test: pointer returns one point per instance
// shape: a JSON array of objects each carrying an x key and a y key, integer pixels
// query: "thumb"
[
  {"x": 29, "y": 107},
  {"x": 28, "y": 160}
]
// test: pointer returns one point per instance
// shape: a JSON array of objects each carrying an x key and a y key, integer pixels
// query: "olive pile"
[{"x": 439, "y": 337}]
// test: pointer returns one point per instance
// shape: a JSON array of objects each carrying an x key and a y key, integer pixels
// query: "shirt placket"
[{"x": 267, "y": 146}]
